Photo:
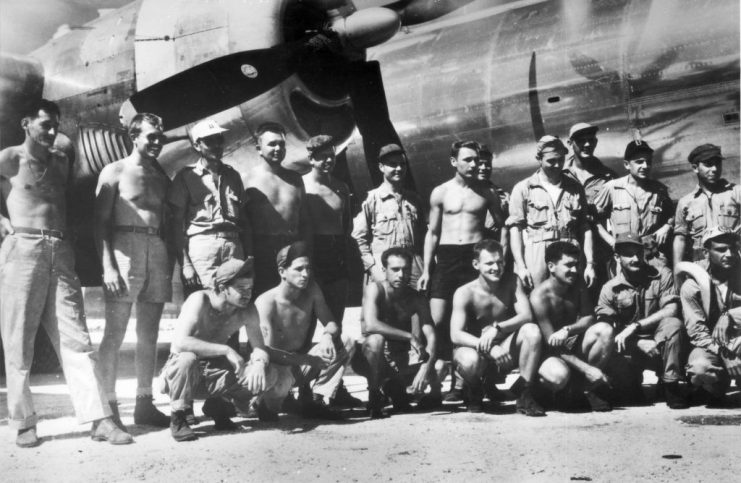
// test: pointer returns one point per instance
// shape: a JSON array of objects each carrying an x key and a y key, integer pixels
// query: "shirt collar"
[
  {"x": 649, "y": 273},
  {"x": 723, "y": 185},
  {"x": 200, "y": 167},
  {"x": 384, "y": 191}
]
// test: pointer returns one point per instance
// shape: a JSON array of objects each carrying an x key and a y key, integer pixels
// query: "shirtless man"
[
  {"x": 201, "y": 364},
  {"x": 287, "y": 316},
  {"x": 275, "y": 205},
  {"x": 38, "y": 281},
  {"x": 395, "y": 317},
  {"x": 491, "y": 325},
  {"x": 563, "y": 310},
  {"x": 130, "y": 207},
  {"x": 458, "y": 211}
]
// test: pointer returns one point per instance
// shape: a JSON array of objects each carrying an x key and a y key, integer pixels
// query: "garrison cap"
[
  {"x": 628, "y": 239},
  {"x": 204, "y": 129},
  {"x": 582, "y": 127},
  {"x": 233, "y": 268},
  {"x": 634, "y": 148},
  {"x": 387, "y": 149},
  {"x": 704, "y": 152},
  {"x": 317, "y": 143},
  {"x": 289, "y": 253},
  {"x": 717, "y": 232},
  {"x": 549, "y": 143}
]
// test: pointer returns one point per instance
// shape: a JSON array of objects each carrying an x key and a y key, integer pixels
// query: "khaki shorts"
[{"x": 145, "y": 267}]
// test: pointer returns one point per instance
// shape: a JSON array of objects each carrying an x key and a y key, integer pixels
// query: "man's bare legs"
[{"x": 440, "y": 311}]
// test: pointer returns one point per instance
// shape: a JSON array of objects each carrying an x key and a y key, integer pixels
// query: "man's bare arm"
[
  {"x": 254, "y": 333},
  {"x": 542, "y": 313},
  {"x": 523, "y": 311},
  {"x": 432, "y": 238},
  {"x": 105, "y": 199},
  {"x": 264, "y": 307},
  {"x": 424, "y": 318},
  {"x": 458, "y": 317}
]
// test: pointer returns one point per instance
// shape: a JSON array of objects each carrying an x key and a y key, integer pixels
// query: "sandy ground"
[{"x": 629, "y": 444}]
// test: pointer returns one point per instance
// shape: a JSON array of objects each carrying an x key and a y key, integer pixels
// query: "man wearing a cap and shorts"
[
  {"x": 642, "y": 306},
  {"x": 390, "y": 216},
  {"x": 577, "y": 347},
  {"x": 589, "y": 171},
  {"x": 38, "y": 282},
  {"x": 130, "y": 216},
  {"x": 287, "y": 316},
  {"x": 395, "y": 321},
  {"x": 207, "y": 200},
  {"x": 713, "y": 202},
  {"x": 201, "y": 364},
  {"x": 712, "y": 314},
  {"x": 276, "y": 204},
  {"x": 546, "y": 207},
  {"x": 638, "y": 204},
  {"x": 491, "y": 327}
]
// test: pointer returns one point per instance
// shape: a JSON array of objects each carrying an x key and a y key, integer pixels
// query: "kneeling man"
[
  {"x": 642, "y": 303},
  {"x": 491, "y": 328},
  {"x": 288, "y": 315},
  {"x": 394, "y": 319},
  {"x": 202, "y": 364},
  {"x": 562, "y": 308}
]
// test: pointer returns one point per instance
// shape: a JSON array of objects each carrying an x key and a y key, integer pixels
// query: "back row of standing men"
[{"x": 216, "y": 216}]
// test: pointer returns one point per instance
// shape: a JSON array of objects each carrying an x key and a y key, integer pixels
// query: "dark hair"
[
  {"x": 487, "y": 244},
  {"x": 269, "y": 127},
  {"x": 559, "y": 249},
  {"x": 33, "y": 108},
  {"x": 396, "y": 252},
  {"x": 135, "y": 126},
  {"x": 456, "y": 147},
  {"x": 485, "y": 152}
]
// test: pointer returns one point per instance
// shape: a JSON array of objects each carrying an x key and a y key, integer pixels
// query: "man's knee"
[
  {"x": 373, "y": 344},
  {"x": 600, "y": 333},
  {"x": 530, "y": 334},
  {"x": 670, "y": 329},
  {"x": 702, "y": 369},
  {"x": 554, "y": 373},
  {"x": 185, "y": 362},
  {"x": 468, "y": 361}
]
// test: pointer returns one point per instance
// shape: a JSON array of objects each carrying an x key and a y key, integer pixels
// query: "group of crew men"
[{"x": 580, "y": 279}]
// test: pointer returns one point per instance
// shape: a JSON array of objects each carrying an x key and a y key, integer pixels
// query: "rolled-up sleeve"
[
  {"x": 680, "y": 218},
  {"x": 603, "y": 202},
  {"x": 605, "y": 309},
  {"x": 518, "y": 206},
  {"x": 694, "y": 315}
]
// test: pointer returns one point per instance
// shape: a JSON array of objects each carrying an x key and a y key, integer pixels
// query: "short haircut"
[
  {"x": 458, "y": 145},
  {"x": 33, "y": 108},
  {"x": 559, "y": 249},
  {"x": 485, "y": 152},
  {"x": 489, "y": 245},
  {"x": 269, "y": 127},
  {"x": 396, "y": 252},
  {"x": 135, "y": 126}
]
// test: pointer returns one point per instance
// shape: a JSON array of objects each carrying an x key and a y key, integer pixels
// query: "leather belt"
[
  {"x": 39, "y": 231},
  {"x": 148, "y": 230}
]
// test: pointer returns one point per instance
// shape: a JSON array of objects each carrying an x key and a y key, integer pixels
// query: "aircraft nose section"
[{"x": 368, "y": 27}]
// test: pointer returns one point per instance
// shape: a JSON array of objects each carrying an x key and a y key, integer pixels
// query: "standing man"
[
  {"x": 201, "y": 364},
  {"x": 207, "y": 200},
  {"x": 38, "y": 282},
  {"x": 638, "y": 204},
  {"x": 130, "y": 214},
  {"x": 711, "y": 303},
  {"x": 458, "y": 211},
  {"x": 287, "y": 315},
  {"x": 547, "y": 207},
  {"x": 588, "y": 170},
  {"x": 390, "y": 216},
  {"x": 486, "y": 157},
  {"x": 713, "y": 202},
  {"x": 574, "y": 342},
  {"x": 276, "y": 205},
  {"x": 642, "y": 306},
  {"x": 395, "y": 320},
  {"x": 491, "y": 327}
]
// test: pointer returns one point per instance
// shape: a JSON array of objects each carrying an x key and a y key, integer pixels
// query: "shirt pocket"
[
  {"x": 386, "y": 223},
  {"x": 728, "y": 217},
  {"x": 651, "y": 218},
  {"x": 625, "y": 303},
  {"x": 621, "y": 216},
  {"x": 537, "y": 213}
]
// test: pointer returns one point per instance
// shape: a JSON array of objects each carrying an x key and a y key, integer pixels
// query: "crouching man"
[
  {"x": 491, "y": 328},
  {"x": 394, "y": 319},
  {"x": 711, "y": 302},
  {"x": 288, "y": 315},
  {"x": 575, "y": 343},
  {"x": 642, "y": 305},
  {"x": 202, "y": 365}
]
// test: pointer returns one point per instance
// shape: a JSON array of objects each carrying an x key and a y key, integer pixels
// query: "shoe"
[
  {"x": 474, "y": 398},
  {"x": 290, "y": 405},
  {"x": 376, "y": 403},
  {"x": 146, "y": 413},
  {"x": 27, "y": 438},
  {"x": 492, "y": 392},
  {"x": 343, "y": 399},
  {"x": 428, "y": 402},
  {"x": 107, "y": 430},
  {"x": 265, "y": 414},
  {"x": 674, "y": 397},
  {"x": 115, "y": 415},
  {"x": 179, "y": 427},
  {"x": 597, "y": 400},
  {"x": 220, "y": 411},
  {"x": 526, "y": 403},
  {"x": 395, "y": 390},
  {"x": 454, "y": 396},
  {"x": 318, "y": 409},
  {"x": 191, "y": 418}
]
